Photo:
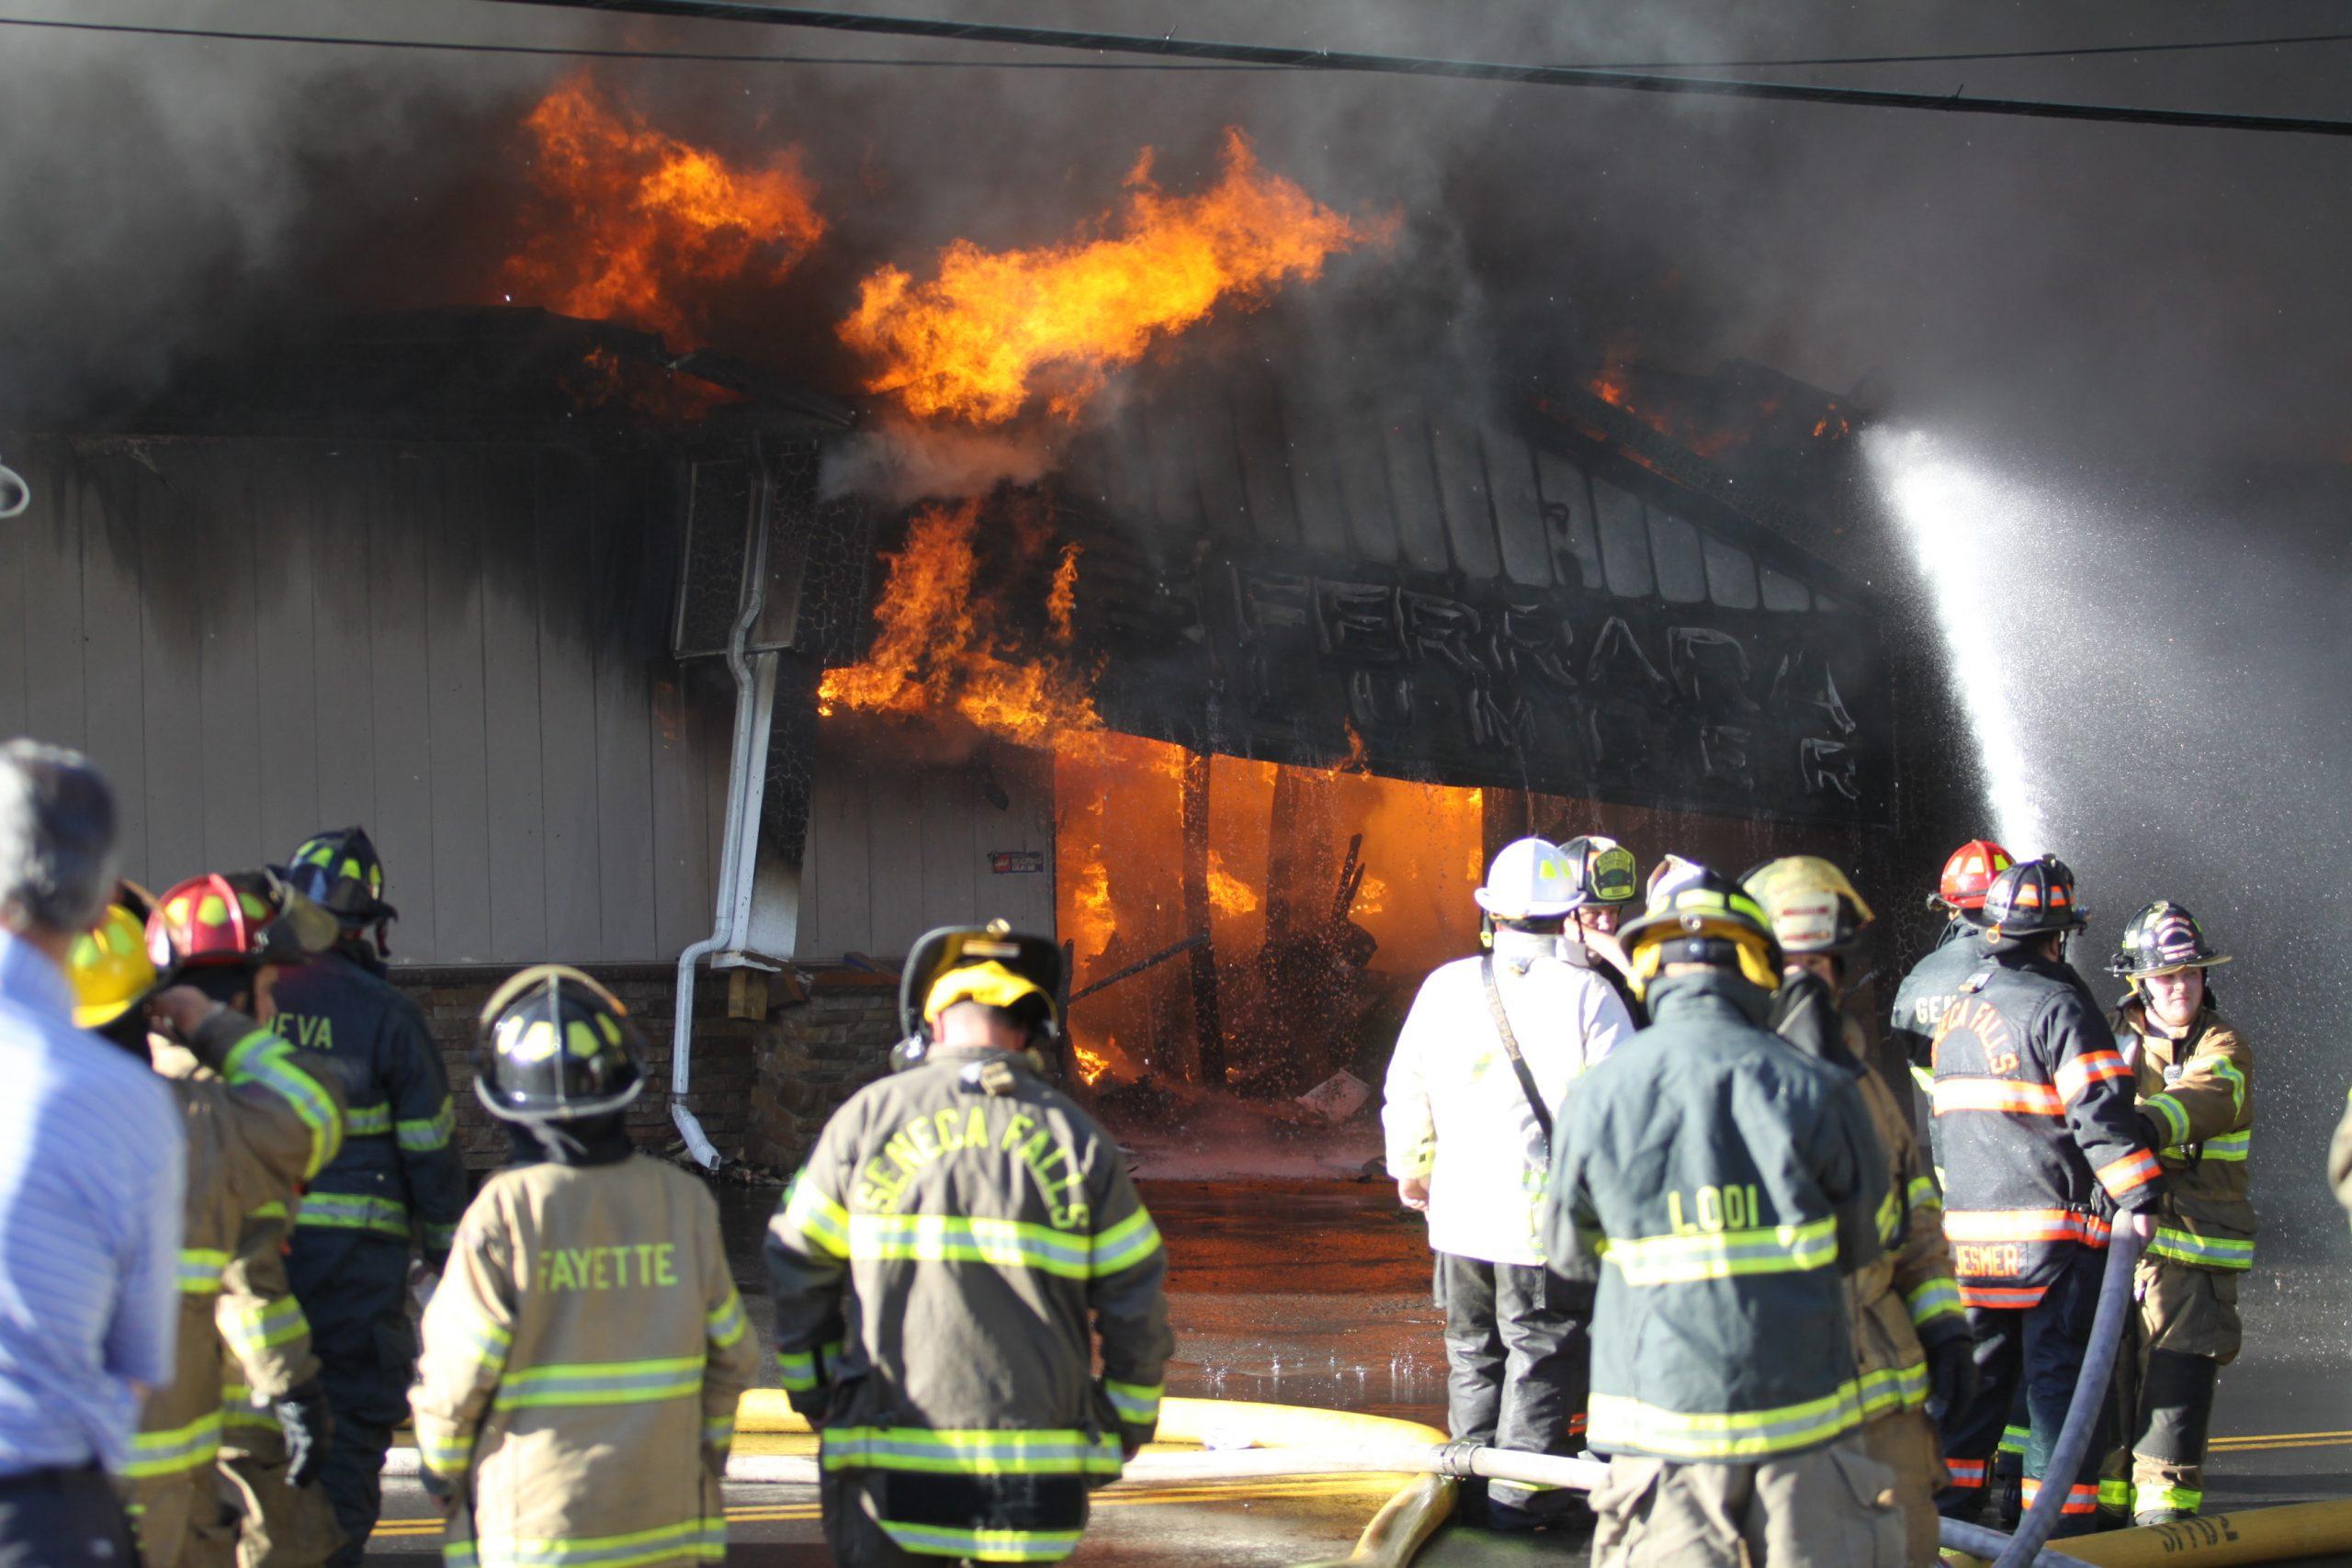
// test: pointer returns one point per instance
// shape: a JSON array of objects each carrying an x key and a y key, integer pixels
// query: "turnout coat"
[
  {"x": 1722, "y": 1185},
  {"x": 582, "y": 1359},
  {"x": 935, "y": 1267},
  {"x": 2198, "y": 1092}
]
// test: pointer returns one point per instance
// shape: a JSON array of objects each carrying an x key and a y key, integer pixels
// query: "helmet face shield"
[{"x": 2162, "y": 939}]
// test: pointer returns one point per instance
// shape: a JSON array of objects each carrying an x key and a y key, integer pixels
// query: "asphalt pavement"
[{"x": 1319, "y": 1294}]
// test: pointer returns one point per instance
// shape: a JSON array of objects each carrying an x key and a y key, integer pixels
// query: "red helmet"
[
  {"x": 1969, "y": 874},
  {"x": 243, "y": 917}
]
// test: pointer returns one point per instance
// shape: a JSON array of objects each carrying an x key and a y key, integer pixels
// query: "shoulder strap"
[{"x": 1510, "y": 1048}]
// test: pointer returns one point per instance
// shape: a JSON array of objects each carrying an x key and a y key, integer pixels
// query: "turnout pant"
[
  {"x": 1519, "y": 1366},
  {"x": 63, "y": 1518},
  {"x": 280, "y": 1525},
  {"x": 2190, "y": 1331},
  {"x": 2042, "y": 1348},
  {"x": 1904, "y": 1442},
  {"x": 1832, "y": 1507},
  {"x": 354, "y": 1288}
]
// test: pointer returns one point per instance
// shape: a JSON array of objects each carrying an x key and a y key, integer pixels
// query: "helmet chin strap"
[{"x": 559, "y": 1144}]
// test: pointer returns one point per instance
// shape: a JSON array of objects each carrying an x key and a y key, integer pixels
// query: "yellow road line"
[{"x": 1223, "y": 1491}]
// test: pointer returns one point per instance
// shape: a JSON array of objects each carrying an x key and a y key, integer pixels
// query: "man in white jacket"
[{"x": 1488, "y": 1050}]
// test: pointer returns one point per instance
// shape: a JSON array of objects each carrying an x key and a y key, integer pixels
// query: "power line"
[
  {"x": 1171, "y": 47},
  {"x": 447, "y": 46},
  {"x": 1952, "y": 58},
  {"x": 583, "y": 52}
]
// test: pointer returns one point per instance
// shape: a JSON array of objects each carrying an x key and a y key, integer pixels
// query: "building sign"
[
  {"x": 1017, "y": 862},
  {"x": 1751, "y": 713}
]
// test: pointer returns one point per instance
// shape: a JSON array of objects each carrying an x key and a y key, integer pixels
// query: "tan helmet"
[{"x": 1813, "y": 908}]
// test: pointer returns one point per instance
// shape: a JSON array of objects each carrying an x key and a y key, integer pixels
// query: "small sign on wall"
[{"x": 1017, "y": 862}]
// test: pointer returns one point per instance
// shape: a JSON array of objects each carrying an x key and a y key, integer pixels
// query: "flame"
[
  {"x": 1092, "y": 1064},
  {"x": 1062, "y": 600},
  {"x": 631, "y": 218},
  {"x": 990, "y": 329},
  {"x": 1228, "y": 894},
  {"x": 1097, "y": 922},
  {"x": 1372, "y": 896},
  {"x": 932, "y": 654}
]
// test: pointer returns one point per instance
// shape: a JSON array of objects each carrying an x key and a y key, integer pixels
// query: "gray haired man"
[{"x": 92, "y": 1170}]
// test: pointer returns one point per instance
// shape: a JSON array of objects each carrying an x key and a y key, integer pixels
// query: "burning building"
[{"x": 1233, "y": 684}]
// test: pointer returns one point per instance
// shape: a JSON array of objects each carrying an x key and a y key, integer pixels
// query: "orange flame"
[
  {"x": 1092, "y": 1064},
  {"x": 1097, "y": 921},
  {"x": 993, "y": 329},
  {"x": 632, "y": 217},
  {"x": 933, "y": 655},
  {"x": 1228, "y": 894},
  {"x": 1061, "y": 600}
]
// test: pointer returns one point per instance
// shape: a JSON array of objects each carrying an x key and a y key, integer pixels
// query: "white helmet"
[{"x": 1530, "y": 880}]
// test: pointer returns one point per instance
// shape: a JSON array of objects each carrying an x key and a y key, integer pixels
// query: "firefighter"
[
  {"x": 585, "y": 1349},
  {"x": 1720, "y": 1186},
  {"x": 2040, "y": 1148},
  {"x": 272, "y": 1464},
  {"x": 1912, "y": 1353},
  {"x": 1928, "y": 990},
  {"x": 398, "y": 1179},
  {"x": 261, "y": 1118},
  {"x": 2197, "y": 1111},
  {"x": 1919, "y": 1003},
  {"x": 1489, "y": 1048},
  {"x": 935, "y": 1266},
  {"x": 1608, "y": 882}
]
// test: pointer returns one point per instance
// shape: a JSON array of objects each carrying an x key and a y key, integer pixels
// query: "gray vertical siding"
[
  {"x": 896, "y": 848},
  {"x": 460, "y": 646}
]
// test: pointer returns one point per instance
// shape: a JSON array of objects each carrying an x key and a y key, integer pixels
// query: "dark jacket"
[
  {"x": 2036, "y": 1129},
  {"x": 2197, "y": 1094},
  {"x": 1720, "y": 1185},
  {"x": 398, "y": 1172},
  {"x": 1928, "y": 989},
  {"x": 935, "y": 1268}
]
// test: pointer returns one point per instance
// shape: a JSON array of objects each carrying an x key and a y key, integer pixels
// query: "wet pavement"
[{"x": 1319, "y": 1294}]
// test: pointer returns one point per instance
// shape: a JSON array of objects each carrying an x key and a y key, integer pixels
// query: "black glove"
[
  {"x": 302, "y": 1417},
  {"x": 1951, "y": 1377},
  {"x": 2153, "y": 1133}
]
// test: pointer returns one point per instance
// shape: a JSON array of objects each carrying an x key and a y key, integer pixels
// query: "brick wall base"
[{"x": 762, "y": 1086}]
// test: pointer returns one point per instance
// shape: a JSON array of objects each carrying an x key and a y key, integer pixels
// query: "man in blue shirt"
[{"x": 91, "y": 1172}]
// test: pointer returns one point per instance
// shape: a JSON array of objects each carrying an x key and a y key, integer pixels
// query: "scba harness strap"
[{"x": 1510, "y": 1048}]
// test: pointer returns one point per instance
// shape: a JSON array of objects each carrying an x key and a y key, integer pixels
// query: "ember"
[
  {"x": 993, "y": 329},
  {"x": 631, "y": 220}
]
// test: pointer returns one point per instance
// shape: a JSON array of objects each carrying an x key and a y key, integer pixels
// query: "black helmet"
[
  {"x": 993, "y": 964},
  {"x": 2032, "y": 899},
  {"x": 341, "y": 870},
  {"x": 2162, "y": 938},
  {"x": 553, "y": 1045},
  {"x": 1607, "y": 873},
  {"x": 1698, "y": 916}
]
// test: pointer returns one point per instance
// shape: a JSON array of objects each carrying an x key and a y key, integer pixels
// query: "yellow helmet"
[
  {"x": 110, "y": 968},
  {"x": 1701, "y": 918},
  {"x": 1813, "y": 906}
]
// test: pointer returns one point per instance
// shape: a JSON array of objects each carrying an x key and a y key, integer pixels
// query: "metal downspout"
[{"x": 746, "y": 781}]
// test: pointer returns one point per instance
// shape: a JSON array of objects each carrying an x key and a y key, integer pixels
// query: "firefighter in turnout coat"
[
  {"x": 1721, "y": 1186},
  {"x": 1467, "y": 1109},
  {"x": 935, "y": 1268},
  {"x": 398, "y": 1182},
  {"x": 1927, "y": 991},
  {"x": 2041, "y": 1148},
  {"x": 1911, "y": 1343},
  {"x": 261, "y": 1118},
  {"x": 2196, "y": 1088},
  {"x": 586, "y": 1348}
]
